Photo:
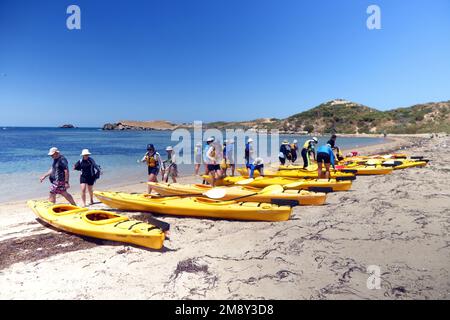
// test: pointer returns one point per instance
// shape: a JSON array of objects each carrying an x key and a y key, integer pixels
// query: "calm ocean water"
[{"x": 23, "y": 155}]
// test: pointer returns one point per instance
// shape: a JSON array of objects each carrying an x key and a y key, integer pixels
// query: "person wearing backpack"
[{"x": 90, "y": 172}]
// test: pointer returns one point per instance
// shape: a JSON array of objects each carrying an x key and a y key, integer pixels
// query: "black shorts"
[
  {"x": 213, "y": 167},
  {"x": 323, "y": 157},
  {"x": 153, "y": 170},
  {"x": 88, "y": 180}
]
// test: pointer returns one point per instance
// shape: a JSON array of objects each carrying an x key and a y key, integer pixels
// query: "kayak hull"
[
  {"x": 303, "y": 184},
  {"x": 196, "y": 207},
  {"x": 302, "y": 196},
  {"x": 98, "y": 224}
]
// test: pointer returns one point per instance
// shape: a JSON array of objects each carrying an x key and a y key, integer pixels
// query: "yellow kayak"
[
  {"x": 195, "y": 207},
  {"x": 98, "y": 224},
  {"x": 299, "y": 173},
  {"x": 395, "y": 164},
  {"x": 252, "y": 194},
  {"x": 365, "y": 170},
  {"x": 287, "y": 183}
]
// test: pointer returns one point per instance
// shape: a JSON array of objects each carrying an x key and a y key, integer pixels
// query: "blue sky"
[{"x": 215, "y": 59}]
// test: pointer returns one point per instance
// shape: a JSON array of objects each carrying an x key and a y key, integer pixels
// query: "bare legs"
[
  {"x": 151, "y": 178},
  {"x": 65, "y": 194},
  {"x": 90, "y": 189},
  {"x": 320, "y": 173}
]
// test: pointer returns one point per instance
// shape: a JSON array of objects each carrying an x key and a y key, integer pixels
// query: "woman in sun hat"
[
  {"x": 90, "y": 172},
  {"x": 285, "y": 152},
  {"x": 170, "y": 168},
  {"x": 153, "y": 160}
]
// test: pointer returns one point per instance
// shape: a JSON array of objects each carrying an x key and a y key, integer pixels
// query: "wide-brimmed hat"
[
  {"x": 285, "y": 142},
  {"x": 85, "y": 152},
  {"x": 52, "y": 151},
  {"x": 250, "y": 140},
  {"x": 315, "y": 139},
  {"x": 295, "y": 141},
  {"x": 258, "y": 161},
  {"x": 198, "y": 144},
  {"x": 169, "y": 148},
  {"x": 210, "y": 139}
]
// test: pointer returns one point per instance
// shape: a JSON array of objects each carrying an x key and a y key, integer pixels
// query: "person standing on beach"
[
  {"x": 90, "y": 172},
  {"x": 197, "y": 157},
  {"x": 308, "y": 149},
  {"x": 212, "y": 163},
  {"x": 294, "y": 149},
  {"x": 325, "y": 154},
  {"x": 153, "y": 160},
  {"x": 229, "y": 156},
  {"x": 249, "y": 153},
  {"x": 58, "y": 176},
  {"x": 170, "y": 168},
  {"x": 285, "y": 152}
]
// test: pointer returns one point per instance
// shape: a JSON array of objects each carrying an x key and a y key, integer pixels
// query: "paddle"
[
  {"x": 417, "y": 157},
  {"x": 294, "y": 185},
  {"x": 346, "y": 178}
]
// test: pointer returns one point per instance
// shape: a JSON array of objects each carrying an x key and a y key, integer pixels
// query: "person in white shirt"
[
  {"x": 229, "y": 156},
  {"x": 197, "y": 157},
  {"x": 170, "y": 168}
]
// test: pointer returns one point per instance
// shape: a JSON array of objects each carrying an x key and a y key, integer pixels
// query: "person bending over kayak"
[
  {"x": 325, "y": 154},
  {"x": 258, "y": 164},
  {"x": 285, "y": 152},
  {"x": 170, "y": 167},
  {"x": 90, "y": 172},
  {"x": 332, "y": 143},
  {"x": 153, "y": 160},
  {"x": 58, "y": 176},
  {"x": 213, "y": 165},
  {"x": 308, "y": 149},
  {"x": 294, "y": 149}
]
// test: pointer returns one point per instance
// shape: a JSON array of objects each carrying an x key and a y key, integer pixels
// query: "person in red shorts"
[{"x": 59, "y": 177}]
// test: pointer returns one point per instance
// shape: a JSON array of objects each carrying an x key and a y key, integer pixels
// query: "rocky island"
[
  {"x": 140, "y": 125},
  {"x": 67, "y": 126}
]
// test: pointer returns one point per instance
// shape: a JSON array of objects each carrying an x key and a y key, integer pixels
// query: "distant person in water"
[
  {"x": 325, "y": 155},
  {"x": 197, "y": 157},
  {"x": 90, "y": 172},
  {"x": 285, "y": 152},
  {"x": 308, "y": 149},
  {"x": 153, "y": 160},
  {"x": 58, "y": 176},
  {"x": 170, "y": 168},
  {"x": 294, "y": 150}
]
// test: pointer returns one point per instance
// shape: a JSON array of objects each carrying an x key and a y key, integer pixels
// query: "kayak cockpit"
[
  {"x": 102, "y": 217},
  {"x": 63, "y": 209}
]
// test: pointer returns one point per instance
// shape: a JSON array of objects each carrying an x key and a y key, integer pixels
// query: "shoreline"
[
  {"x": 391, "y": 143},
  {"x": 398, "y": 223}
]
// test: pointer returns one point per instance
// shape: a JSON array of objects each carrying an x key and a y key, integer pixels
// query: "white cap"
[
  {"x": 210, "y": 139},
  {"x": 315, "y": 139},
  {"x": 225, "y": 141},
  {"x": 169, "y": 148},
  {"x": 85, "y": 152},
  {"x": 258, "y": 161},
  {"x": 52, "y": 151},
  {"x": 295, "y": 141},
  {"x": 250, "y": 140},
  {"x": 199, "y": 144}
]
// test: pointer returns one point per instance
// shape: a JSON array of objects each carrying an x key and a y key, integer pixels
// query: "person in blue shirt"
[{"x": 325, "y": 154}]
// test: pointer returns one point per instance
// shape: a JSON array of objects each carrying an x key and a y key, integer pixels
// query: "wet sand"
[{"x": 399, "y": 223}]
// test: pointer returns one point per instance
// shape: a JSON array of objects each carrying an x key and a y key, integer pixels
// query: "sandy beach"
[{"x": 399, "y": 223}]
